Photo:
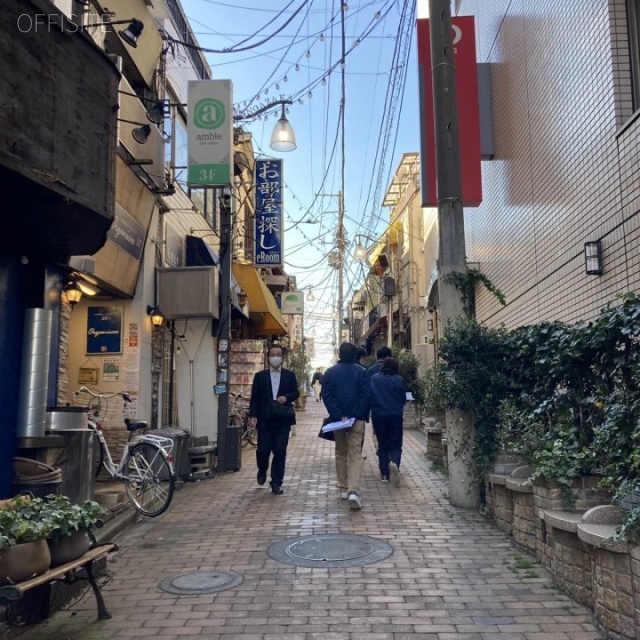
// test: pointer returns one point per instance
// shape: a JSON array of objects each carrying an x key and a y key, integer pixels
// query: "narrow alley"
[{"x": 448, "y": 574}]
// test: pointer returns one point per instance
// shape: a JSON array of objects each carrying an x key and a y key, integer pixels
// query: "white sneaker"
[
  {"x": 344, "y": 495},
  {"x": 354, "y": 501},
  {"x": 394, "y": 472}
]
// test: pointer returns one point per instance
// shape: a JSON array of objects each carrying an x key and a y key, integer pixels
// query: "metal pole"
[
  {"x": 452, "y": 257},
  {"x": 224, "y": 327},
  {"x": 172, "y": 368},
  {"x": 340, "y": 264}
]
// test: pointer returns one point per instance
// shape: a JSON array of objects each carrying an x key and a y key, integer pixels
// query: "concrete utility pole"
[
  {"x": 452, "y": 256},
  {"x": 341, "y": 243}
]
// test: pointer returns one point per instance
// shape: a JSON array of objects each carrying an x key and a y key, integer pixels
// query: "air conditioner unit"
[
  {"x": 85, "y": 264},
  {"x": 188, "y": 292}
]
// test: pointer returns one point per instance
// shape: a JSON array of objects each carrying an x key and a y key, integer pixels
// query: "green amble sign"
[{"x": 210, "y": 132}]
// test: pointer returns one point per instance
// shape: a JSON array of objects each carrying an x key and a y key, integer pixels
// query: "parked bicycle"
[
  {"x": 239, "y": 417},
  {"x": 146, "y": 464}
]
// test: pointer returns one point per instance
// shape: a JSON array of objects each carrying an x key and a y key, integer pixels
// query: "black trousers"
[{"x": 273, "y": 439}]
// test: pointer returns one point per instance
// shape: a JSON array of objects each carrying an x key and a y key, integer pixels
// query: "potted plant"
[
  {"x": 23, "y": 547},
  {"x": 300, "y": 365},
  {"x": 68, "y": 526}
]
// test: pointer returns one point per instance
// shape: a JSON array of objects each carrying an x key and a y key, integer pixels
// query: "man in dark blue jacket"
[{"x": 346, "y": 394}]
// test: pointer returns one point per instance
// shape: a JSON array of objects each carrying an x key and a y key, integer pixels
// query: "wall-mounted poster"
[
  {"x": 111, "y": 369},
  {"x": 104, "y": 330}
]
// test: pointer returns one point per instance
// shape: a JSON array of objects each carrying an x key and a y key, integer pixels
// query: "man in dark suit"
[{"x": 279, "y": 385}]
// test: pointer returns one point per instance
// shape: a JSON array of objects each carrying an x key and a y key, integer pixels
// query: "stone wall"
[{"x": 576, "y": 546}]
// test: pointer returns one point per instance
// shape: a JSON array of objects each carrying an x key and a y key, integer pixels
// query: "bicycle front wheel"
[{"x": 149, "y": 480}]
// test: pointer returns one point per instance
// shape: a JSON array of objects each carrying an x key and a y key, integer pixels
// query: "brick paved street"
[{"x": 452, "y": 575}]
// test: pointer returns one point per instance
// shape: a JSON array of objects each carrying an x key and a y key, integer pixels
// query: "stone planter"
[
  {"x": 23, "y": 561},
  {"x": 548, "y": 495},
  {"x": 301, "y": 403},
  {"x": 70, "y": 548}
]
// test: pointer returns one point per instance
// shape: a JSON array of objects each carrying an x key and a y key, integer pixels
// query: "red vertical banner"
[{"x": 464, "y": 42}]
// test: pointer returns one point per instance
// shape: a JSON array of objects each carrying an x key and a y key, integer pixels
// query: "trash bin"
[
  {"x": 76, "y": 458},
  {"x": 180, "y": 453}
]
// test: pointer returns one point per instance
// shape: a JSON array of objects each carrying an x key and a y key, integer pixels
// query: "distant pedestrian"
[
  {"x": 382, "y": 353},
  {"x": 388, "y": 397},
  {"x": 316, "y": 383},
  {"x": 346, "y": 394},
  {"x": 273, "y": 392}
]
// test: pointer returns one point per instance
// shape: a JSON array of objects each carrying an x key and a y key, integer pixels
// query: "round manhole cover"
[
  {"x": 330, "y": 550},
  {"x": 193, "y": 584}
]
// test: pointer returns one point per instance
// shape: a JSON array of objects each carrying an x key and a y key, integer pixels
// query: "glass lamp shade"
[
  {"x": 360, "y": 253},
  {"x": 73, "y": 293},
  {"x": 283, "y": 138}
]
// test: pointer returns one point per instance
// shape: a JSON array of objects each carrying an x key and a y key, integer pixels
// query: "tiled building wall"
[{"x": 565, "y": 169}]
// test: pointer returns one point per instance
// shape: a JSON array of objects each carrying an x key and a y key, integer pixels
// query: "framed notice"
[{"x": 104, "y": 330}]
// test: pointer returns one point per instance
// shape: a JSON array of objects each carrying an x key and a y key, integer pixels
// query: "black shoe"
[
  {"x": 276, "y": 489},
  {"x": 262, "y": 477}
]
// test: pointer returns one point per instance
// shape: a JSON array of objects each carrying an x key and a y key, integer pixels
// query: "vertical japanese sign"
[
  {"x": 268, "y": 251},
  {"x": 210, "y": 132},
  {"x": 464, "y": 43}
]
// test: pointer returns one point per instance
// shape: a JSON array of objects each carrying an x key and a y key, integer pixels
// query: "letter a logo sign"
[{"x": 209, "y": 113}]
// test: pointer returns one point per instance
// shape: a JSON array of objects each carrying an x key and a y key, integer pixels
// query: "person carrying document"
[{"x": 346, "y": 395}]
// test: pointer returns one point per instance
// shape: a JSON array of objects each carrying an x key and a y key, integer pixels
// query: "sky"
[{"x": 292, "y": 49}]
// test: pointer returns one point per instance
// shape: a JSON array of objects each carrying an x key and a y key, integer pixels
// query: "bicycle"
[
  {"x": 239, "y": 417},
  {"x": 146, "y": 464}
]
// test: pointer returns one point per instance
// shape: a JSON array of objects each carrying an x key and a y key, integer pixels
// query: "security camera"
[{"x": 226, "y": 197}]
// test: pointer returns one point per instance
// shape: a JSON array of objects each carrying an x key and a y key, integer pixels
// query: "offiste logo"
[
  {"x": 47, "y": 22},
  {"x": 209, "y": 114}
]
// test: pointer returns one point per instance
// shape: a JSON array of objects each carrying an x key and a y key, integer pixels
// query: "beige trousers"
[{"x": 349, "y": 459}]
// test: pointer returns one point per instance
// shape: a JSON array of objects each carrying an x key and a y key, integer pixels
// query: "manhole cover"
[
  {"x": 193, "y": 584},
  {"x": 330, "y": 550}
]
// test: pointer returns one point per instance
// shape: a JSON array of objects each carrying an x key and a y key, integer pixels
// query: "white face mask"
[{"x": 275, "y": 361}]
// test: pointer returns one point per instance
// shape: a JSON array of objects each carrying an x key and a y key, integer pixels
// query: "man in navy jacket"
[
  {"x": 274, "y": 384},
  {"x": 346, "y": 394}
]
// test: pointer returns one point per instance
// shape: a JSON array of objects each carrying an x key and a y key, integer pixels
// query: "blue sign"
[
  {"x": 104, "y": 330},
  {"x": 268, "y": 249}
]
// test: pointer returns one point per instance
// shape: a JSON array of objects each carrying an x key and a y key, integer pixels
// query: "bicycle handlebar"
[{"x": 125, "y": 396}]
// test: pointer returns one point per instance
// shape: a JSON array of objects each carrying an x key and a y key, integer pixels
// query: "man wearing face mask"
[{"x": 271, "y": 387}]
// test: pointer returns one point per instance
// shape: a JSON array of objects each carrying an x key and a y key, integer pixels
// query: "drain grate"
[
  {"x": 199, "y": 582},
  {"x": 330, "y": 550}
]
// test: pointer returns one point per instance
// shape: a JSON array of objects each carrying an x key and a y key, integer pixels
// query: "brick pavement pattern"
[{"x": 452, "y": 575}]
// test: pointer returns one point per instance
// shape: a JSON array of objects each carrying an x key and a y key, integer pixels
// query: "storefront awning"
[
  {"x": 374, "y": 329},
  {"x": 260, "y": 299}
]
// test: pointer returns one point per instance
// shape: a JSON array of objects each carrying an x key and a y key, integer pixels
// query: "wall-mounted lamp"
[
  {"x": 429, "y": 325},
  {"x": 156, "y": 316},
  {"x": 593, "y": 257},
  {"x": 242, "y": 297},
  {"x": 130, "y": 35},
  {"x": 141, "y": 133},
  {"x": 73, "y": 293}
]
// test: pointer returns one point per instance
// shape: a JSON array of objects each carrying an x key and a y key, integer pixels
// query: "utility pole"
[
  {"x": 452, "y": 257},
  {"x": 224, "y": 326},
  {"x": 339, "y": 265},
  {"x": 340, "y": 243}
]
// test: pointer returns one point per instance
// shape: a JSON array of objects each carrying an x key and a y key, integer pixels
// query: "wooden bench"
[{"x": 68, "y": 572}]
